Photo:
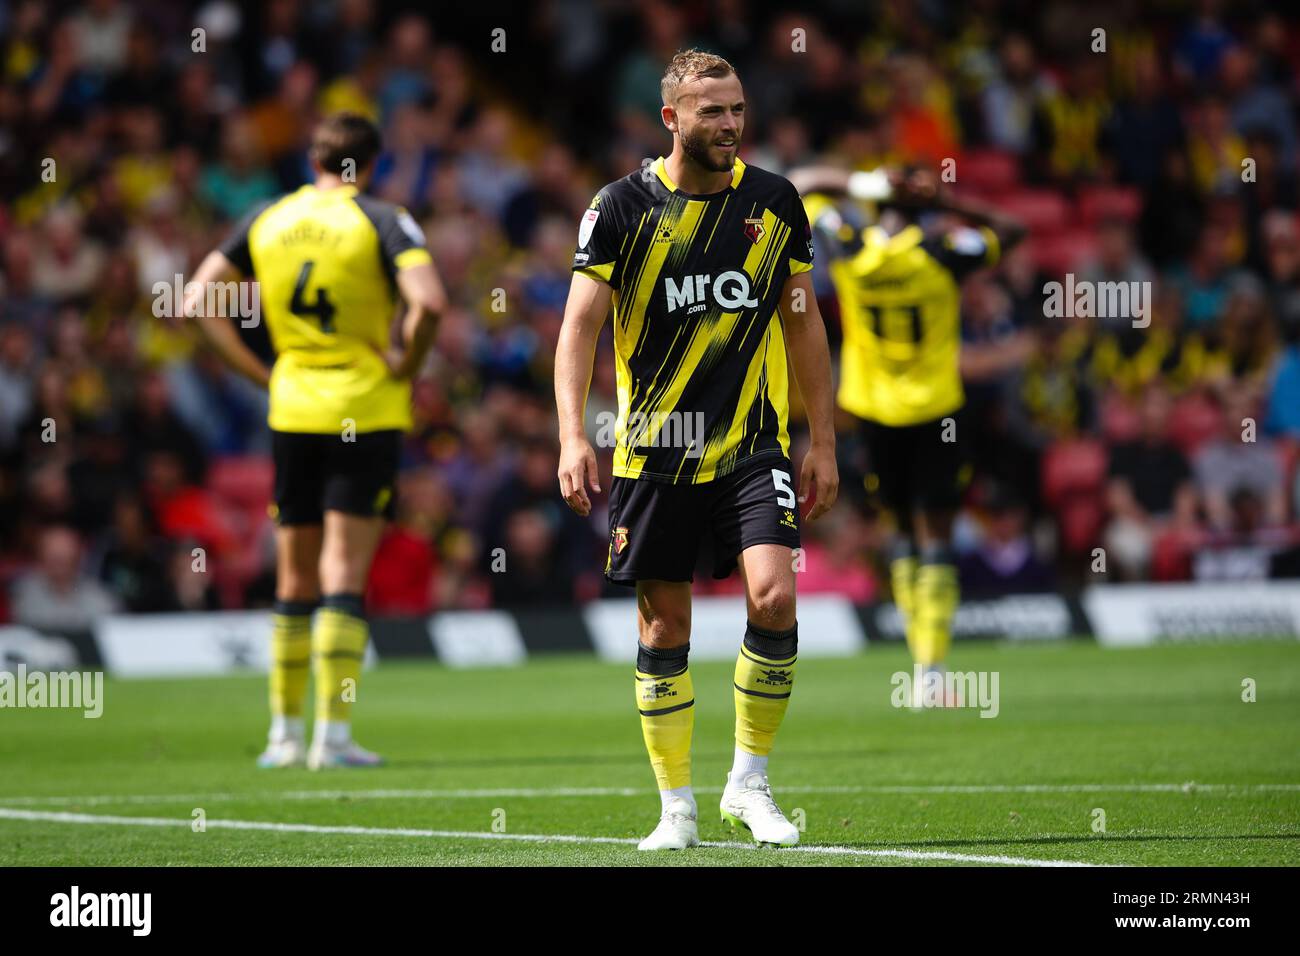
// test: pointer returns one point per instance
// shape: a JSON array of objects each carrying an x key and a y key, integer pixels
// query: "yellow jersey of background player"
[
  {"x": 330, "y": 263},
  {"x": 900, "y": 306},
  {"x": 900, "y": 300},
  {"x": 326, "y": 261}
]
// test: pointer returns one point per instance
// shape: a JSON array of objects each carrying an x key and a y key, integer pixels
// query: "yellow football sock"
[
  {"x": 665, "y": 699},
  {"x": 339, "y": 643},
  {"x": 290, "y": 656},
  {"x": 935, "y": 600},
  {"x": 764, "y": 677},
  {"x": 902, "y": 581}
]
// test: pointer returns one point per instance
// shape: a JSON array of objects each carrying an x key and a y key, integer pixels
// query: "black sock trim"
[
  {"x": 775, "y": 662},
  {"x": 654, "y": 677},
  {"x": 661, "y": 661},
  {"x": 293, "y": 608},
  {"x": 778, "y": 645},
  {"x": 353, "y": 605},
  {"x": 759, "y": 693},
  {"x": 667, "y": 710}
]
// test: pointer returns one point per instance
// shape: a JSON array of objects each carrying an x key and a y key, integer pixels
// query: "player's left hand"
[
  {"x": 821, "y": 475},
  {"x": 395, "y": 359}
]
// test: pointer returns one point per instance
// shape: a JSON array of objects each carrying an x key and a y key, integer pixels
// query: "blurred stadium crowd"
[{"x": 1127, "y": 165}]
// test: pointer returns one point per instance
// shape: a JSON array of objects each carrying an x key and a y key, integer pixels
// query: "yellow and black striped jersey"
[
  {"x": 701, "y": 361},
  {"x": 326, "y": 262},
  {"x": 900, "y": 308}
]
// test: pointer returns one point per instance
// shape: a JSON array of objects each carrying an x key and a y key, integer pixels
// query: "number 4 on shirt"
[{"x": 322, "y": 308}]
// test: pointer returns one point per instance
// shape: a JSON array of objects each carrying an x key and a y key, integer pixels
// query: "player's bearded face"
[
  {"x": 712, "y": 148},
  {"x": 711, "y": 120}
]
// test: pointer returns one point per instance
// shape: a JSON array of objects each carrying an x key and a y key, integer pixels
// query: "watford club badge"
[
  {"x": 754, "y": 230},
  {"x": 620, "y": 540}
]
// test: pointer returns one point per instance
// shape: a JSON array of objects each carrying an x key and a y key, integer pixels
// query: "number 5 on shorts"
[{"x": 785, "y": 494}]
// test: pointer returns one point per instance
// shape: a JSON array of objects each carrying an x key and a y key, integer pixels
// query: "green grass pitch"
[{"x": 493, "y": 766}]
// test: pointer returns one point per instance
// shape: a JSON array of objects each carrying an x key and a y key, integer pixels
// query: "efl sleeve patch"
[{"x": 598, "y": 240}]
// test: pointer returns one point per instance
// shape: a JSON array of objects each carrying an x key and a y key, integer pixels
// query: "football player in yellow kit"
[
  {"x": 331, "y": 263},
  {"x": 899, "y": 291}
]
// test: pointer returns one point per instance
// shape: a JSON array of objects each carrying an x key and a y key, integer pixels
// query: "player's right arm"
[
  {"x": 584, "y": 317},
  {"x": 216, "y": 329},
  {"x": 870, "y": 186},
  {"x": 1009, "y": 231},
  {"x": 918, "y": 188},
  {"x": 229, "y": 262}
]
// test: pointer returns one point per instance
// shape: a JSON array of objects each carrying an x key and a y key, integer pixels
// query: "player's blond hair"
[{"x": 690, "y": 65}]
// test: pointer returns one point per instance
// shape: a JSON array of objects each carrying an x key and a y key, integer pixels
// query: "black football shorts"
[
  {"x": 319, "y": 473},
  {"x": 917, "y": 467},
  {"x": 656, "y": 528}
]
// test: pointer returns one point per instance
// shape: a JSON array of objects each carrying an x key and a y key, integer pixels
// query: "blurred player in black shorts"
[
  {"x": 331, "y": 264},
  {"x": 899, "y": 292}
]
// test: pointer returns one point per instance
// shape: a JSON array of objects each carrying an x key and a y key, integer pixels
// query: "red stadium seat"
[
  {"x": 1103, "y": 202},
  {"x": 1171, "y": 558},
  {"x": 1073, "y": 475},
  {"x": 235, "y": 568},
  {"x": 1120, "y": 420},
  {"x": 245, "y": 481},
  {"x": 988, "y": 171},
  {"x": 242, "y": 486},
  {"x": 1194, "y": 419},
  {"x": 1057, "y": 255},
  {"x": 1080, "y": 522},
  {"x": 1071, "y": 468},
  {"x": 1043, "y": 211},
  {"x": 1288, "y": 456}
]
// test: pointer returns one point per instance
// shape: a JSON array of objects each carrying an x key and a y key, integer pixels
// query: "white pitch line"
[
  {"x": 1231, "y": 789},
  {"x": 51, "y": 816}
]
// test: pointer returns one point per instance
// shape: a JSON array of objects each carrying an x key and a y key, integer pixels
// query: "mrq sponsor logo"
[
  {"x": 924, "y": 689},
  {"x": 72, "y": 690},
  {"x": 75, "y": 908},
  {"x": 731, "y": 290}
]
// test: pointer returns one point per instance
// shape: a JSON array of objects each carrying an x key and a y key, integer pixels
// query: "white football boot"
[
  {"x": 930, "y": 690},
  {"x": 285, "y": 752},
  {"x": 677, "y": 829},
  {"x": 749, "y": 804},
  {"x": 323, "y": 756}
]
